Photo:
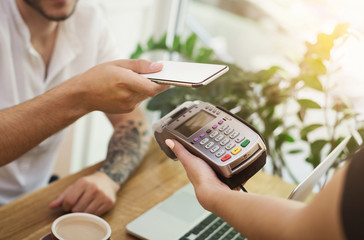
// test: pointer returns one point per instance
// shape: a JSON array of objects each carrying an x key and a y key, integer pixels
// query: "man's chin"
[
  {"x": 53, "y": 11},
  {"x": 57, "y": 18},
  {"x": 57, "y": 15}
]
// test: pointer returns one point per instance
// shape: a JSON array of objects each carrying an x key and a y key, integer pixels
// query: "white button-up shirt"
[{"x": 83, "y": 41}]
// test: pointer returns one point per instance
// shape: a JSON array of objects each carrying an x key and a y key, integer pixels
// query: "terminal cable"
[{"x": 243, "y": 188}]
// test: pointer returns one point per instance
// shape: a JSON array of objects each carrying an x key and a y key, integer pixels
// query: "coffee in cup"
[{"x": 80, "y": 226}]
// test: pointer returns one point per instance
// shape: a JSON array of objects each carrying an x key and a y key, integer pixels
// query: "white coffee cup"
[{"x": 80, "y": 226}]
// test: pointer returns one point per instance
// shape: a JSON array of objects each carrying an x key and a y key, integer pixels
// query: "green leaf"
[
  {"x": 308, "y": 103},
  {"x": 282, "y": 138},
  {"x": 312, "y": 82},
  {"x": 318, "y": 145},
  {"x": 340, "y": 30},
  {"x": 341, "y": 105},
  {"x": 295, "y": 151},
  {"x": 177, "y": 44},
  {"x": 162, "y": 42},
  {"x": 272, "y": 125},
  {"x": 150, "y": 43},
  {"x": 325, "y": 43},
  {"x": 361, "y": 132},
  {"x": 352, "y": 145},
  {"x": 314, "y": 160},
  {"x": 345, "y": 116},
  {"x": 265, "y": 75},
  {"x": 314, "y": 66},
  {"x": 158, "y": 101},
  {"x": 204, "y": 55},
  {"x": 301, "y": 114},
  {"x": 306, "y": 130},
  {"x": 286, "y": 137},
  {"x": 289, "y": 139},
  {"x": 315, "y": 154},
  {"x": 268, "y": 112},
  {"x": 137, "y": 53},
  {"x": 190, "y": 45}
]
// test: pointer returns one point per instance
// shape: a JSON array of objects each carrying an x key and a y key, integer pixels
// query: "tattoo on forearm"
[{"x": 125, "y": 151}]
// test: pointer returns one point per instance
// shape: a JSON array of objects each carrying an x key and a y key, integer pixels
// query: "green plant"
[{"x": 271, "y": 99}]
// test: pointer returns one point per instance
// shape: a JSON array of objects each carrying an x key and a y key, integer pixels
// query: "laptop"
[{"x": 181, "y": 217}]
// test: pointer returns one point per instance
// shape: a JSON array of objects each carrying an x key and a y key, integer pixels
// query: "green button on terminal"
[{"x": 245, "y": 143}]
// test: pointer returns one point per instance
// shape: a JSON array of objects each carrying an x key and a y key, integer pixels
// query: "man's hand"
[
  {"x": 203, "y": 178},
  {"x": 112, "y": 87},
  {"x": 117, "y": 87},
  {"x": 94, "y": 194}
]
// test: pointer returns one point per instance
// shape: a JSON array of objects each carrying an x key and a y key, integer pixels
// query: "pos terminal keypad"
[
  {"x": 226, "y": 143},
  {"x": 223, "y": 140}
]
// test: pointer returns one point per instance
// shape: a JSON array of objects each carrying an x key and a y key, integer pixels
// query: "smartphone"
[{"x": 187, "y": 74}]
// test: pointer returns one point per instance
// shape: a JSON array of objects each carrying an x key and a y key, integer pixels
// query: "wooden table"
[{"x": 157, "y": 178}]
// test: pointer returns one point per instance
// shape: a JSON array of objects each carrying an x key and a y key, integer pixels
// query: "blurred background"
[{"x": 254, "y": 36}]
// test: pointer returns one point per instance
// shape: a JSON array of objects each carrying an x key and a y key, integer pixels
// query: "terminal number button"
[
  {"x": 228, "y": 131},
  {"x": 219, "y": 138},
  {"x": 220, "y": 153},
  {"x": 224, "y": 142},
  {"x": 214, "y": 134},
  {"x": 214, "y": 149},
  {"x": 223, "y": 127},
  {"x": 210, "y": 144},
  {"x": 204, "y": 141},
  {"x": 239, "y": 138},
  {"x": 230, "y": 146},
  {"x": 234, "y": 135}
]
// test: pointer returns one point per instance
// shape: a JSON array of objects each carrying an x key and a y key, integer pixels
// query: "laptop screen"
[{"x": 301, "y": 192}]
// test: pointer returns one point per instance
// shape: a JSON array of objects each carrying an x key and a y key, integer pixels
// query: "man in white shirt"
[{"x": 42, "y": 44}]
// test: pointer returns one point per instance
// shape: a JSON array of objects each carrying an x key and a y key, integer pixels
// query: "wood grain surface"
[{"x": 155, "y": 179}]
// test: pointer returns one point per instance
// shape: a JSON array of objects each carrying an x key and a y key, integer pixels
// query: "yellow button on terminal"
[{"x": 236, "y": 150}]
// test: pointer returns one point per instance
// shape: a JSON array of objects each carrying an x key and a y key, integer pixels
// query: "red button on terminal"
[{"x": 226, "y": 157}]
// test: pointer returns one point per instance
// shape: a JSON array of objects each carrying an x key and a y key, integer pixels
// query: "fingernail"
[
  {"x": 170, "y": 143},
  {"x": 156, "y": 66}
]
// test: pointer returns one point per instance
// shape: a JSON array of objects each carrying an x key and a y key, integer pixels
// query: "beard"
[{"x": 35, "y": 4}]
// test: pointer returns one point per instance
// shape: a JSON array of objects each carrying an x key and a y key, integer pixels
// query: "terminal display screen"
[{"x": 195, "y": 123}]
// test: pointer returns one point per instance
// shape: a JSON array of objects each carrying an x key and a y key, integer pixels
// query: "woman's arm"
[{"x": 263, "y": 217}]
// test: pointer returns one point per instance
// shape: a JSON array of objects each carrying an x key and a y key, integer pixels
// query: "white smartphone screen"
[{"x": 187, "y": 74}]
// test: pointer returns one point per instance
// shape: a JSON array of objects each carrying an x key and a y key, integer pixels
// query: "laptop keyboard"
[{"x": 213, "y": 228}]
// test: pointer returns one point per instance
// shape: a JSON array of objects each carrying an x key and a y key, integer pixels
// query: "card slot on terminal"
[{"x": 255, "y": 151}]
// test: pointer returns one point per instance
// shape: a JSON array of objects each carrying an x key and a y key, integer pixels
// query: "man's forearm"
[
  {"x": 113, "y": 87},
  {"x": 24, "y": 126},
  {"x": 126, "y": 150}
]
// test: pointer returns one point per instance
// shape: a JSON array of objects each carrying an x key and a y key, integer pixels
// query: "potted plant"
[{"x": 271, "y": 100}]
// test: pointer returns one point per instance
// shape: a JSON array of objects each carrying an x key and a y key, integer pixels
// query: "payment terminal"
[{"x": 231, "y": 146}]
